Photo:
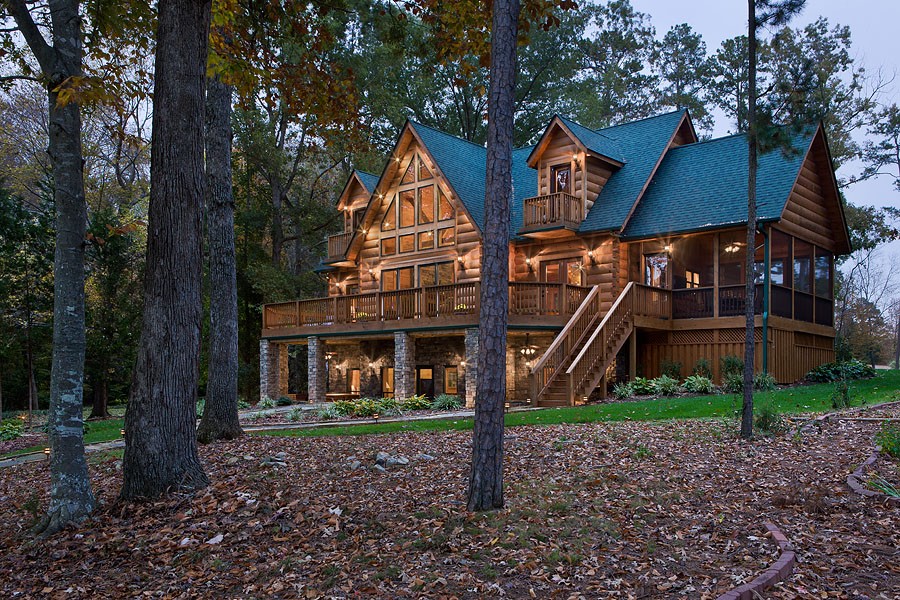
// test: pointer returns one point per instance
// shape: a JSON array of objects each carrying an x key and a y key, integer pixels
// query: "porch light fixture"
[
  {"x": 528, "y": 264},
  {"x": 47, "y": 452},
  {"x": 528, "y": 350},
  {"x": 461, "y": 260},
  {"x": 590, "y": 256},
  {"x": 462, "y": 363},
  {"x": 733, "y": 247},
  {"x": 667, "y": 247},
  {"x": 575, "y": 159},
  {"x": 122, "y": 432}
]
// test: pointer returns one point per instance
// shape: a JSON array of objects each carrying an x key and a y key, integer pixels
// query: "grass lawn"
[{"x": 794, "y": 400}]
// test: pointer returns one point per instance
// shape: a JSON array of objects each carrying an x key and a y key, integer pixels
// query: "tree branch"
[{"x": 43, "y": 52}]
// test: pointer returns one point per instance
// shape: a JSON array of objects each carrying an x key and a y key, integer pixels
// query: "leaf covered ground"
[{"x": 603, "y": 510}]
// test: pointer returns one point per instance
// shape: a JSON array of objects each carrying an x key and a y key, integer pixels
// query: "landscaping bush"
[
  {"x": 10, "y": 429},
  {"x": 284, "y": 401},
  {"x": 699, "y": 384},
  {"x": 703, "y": 369},
  {"x": 764, "y": 382},
  {"x": 419, "y": 402},
  {"x": 344, "y": 408},
  {"x": 665, "y": 386},
  {"x": 365, "y": 407},
  {"x": 770, "y": 421},
  {"x": 733, "y": 383},
  {"x": 266, "y": 403},
  {"x": 851, "y": 369},
  {"x": 326, "y": 413},
  {"x": 671, "y": 369},
  {"x": 446, "y": 402},
  {"x": 888, "y": 438},
  {"x": 730, "y": 365},
  {"x": 841, "y": 397},
  {"x": 641, "y": 386},
  {"x": 243, "y": 405},
  {"x": 296, "y": 415},
  {"x": 622, "y": 390}
]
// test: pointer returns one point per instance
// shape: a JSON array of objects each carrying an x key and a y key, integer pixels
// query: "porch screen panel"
[
  {"x": 824, "y": 287},
  {"x": 803, "y": 297},
  {"x": 693, "y": 277},
  {"x": 732, "y": 258},
  {"x": 781, "y": 274}
]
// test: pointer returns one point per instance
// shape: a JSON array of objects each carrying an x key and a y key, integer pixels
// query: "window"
[
  {"x": 389, "y": 222},
  {"x": 426, "y": 205},
  {"x": 426, "y": 240},
  {"x": 803, "y": 252},
  {"x": 397, "y": 279},
  {"x": 424, "y": 173},
  {"x": 561, "y": 179},
  {"x": 691, "y": 279},
  {"x": 410, "y": 175},
  {"x": 407, "y": 208},
  {"x": 407, "y": 243},
  {"x": 446, "y": 237},
  {"x": 446, "y": 207},
  {"x": 451, "y": 380},
  {"x": 353, "y": 381},
  {"x": 436, "y": 274},
  {"x": 570, "y": 269},
  {"x": 357, "y": 218},
  {"x": 388, "y": 246},
  {"x": 387, "y": 382}
]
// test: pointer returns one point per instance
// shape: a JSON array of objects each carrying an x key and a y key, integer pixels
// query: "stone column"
[
  {"x": 283, "y": 370},
  {"x": 404, "y": 365},
  {"x": 471, "y": 372},
  {"x": 316, "y": 369},
  {"x": 269, "y": 369}
]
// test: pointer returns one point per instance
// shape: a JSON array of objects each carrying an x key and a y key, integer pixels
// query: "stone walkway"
[{"x": 111, "y": 445}]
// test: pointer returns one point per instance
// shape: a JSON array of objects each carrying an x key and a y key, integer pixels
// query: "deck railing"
[
  {"x": 458, "y": 299},
  {"x": 337, "y": 245},
  {"x": 553, "y": 210}
]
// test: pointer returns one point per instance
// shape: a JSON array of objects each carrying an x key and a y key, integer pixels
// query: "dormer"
[
  {"x": 573, "y": 164},
  {"x": 352, "y": 206}
]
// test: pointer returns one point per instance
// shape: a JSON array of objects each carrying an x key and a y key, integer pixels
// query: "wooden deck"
[{"x": 453, "y": 306}]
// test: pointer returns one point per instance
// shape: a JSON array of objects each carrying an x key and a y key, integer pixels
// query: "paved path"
[{"x": 111, "y": 445}]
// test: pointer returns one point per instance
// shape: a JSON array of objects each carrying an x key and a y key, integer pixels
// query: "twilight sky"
[{"x": 876, "y": 45}]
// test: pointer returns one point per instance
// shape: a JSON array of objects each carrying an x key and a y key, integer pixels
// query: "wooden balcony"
[
  {"x": 551, "y": 214},
  {"x": 444, "y": 306},
  {"x": 337, "y": 245}
]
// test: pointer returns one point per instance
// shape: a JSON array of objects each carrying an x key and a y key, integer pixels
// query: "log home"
[{"x": 627, "y": 248}]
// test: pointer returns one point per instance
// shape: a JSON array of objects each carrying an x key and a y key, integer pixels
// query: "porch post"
[
  {"x": 317, "y": 374},
  {"x": 269, "y": 369},
  {"x": 404, "y": 365},
  {"x": 471, "y": 372},
  {"x": 632, "y": 355}
]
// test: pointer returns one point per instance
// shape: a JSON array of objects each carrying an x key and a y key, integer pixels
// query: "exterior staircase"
[{"x": 578, "y": 358}]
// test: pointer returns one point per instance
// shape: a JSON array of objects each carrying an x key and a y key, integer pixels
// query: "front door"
[
  {"x": 656, "y": 268},
  {"x": 561, "y": 179},
  {"x": 425, "y": 381}
]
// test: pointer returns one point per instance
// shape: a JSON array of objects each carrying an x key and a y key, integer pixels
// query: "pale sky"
[{"x": 876, "y": 45}]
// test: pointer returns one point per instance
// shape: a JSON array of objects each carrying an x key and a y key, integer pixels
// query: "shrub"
[
  {"x": 840, "y": 397},
  {"x": 446, "y": 402},
  {"x": 622, "y": 390},
  {"x": 703, "y": 368},
  {"x": 770, "y": 421},
  {"x": 284, "y": 401},
  {"x": 764, "y": 382},
  {"x": 344, "y": 408},
  {"x": 295, "y": 415},
  {"x": 243, "y": 405},
  {"x": 10, "y": 429},
  {"x": 641, "y": 386},
  {"x": 889, "y": 439},
  {"x": 731, "y": 364},
  {"x": 266, "y": 403},
  {"x": 418, "y": 402},
  {"x": 367, "y": 407},
  {"x": 670, "y": 368},
  {"x": 699, "y": 384},
  {"x": 325, "y": 413},
  {"x": 851, "y": 369},
  {"x": 733, "y": 383},
  {"x": 665, "y": 386}
]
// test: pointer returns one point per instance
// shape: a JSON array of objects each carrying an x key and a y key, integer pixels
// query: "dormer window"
[{"x": 561, "y": 179}]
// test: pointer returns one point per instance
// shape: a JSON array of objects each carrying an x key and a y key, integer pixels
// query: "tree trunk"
[
  {"x": 100, "y": 399},
  {"x": 486, "y": 477},
  {"x": 277, "y": 220},
  {"x": 750, "y": 287},
  {"x": 71, "y": 497},
  {"x": 220, "y": 415},
  {"x": 160, "y": 435}
]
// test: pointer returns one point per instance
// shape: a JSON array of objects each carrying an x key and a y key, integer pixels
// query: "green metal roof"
[
  {"x": 642, "y": 143},
  {"x": 704, "y": 186}
]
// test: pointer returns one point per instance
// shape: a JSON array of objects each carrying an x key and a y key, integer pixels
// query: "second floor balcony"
[
  {"x": 337, "y": 246},
  {"x": 551, "y": 212}
]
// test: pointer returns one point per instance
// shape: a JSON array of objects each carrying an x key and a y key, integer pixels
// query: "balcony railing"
[
  {"x": 337, "y": 245},
  {"x": 551, "y": 211},
  {"x": 459, "y": 300}
]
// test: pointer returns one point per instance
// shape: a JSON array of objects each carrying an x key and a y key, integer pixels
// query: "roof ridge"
[
  {"x": 455, "y": 137},
  {"x": 594, "y": 131},
  {"x": 660, "y": 115}
]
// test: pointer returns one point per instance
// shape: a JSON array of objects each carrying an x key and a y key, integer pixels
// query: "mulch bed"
[{"x": 622, "y": 510}]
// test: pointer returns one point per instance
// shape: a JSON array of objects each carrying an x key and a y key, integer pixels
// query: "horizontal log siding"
[{"x": 808, "y": 214}]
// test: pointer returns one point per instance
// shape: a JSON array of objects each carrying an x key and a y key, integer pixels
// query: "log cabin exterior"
[{"x": 626, "y": 249}]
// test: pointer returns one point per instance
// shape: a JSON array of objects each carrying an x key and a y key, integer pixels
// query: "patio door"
[
  {"x": 568, "y": 270},
  {"x": 425, "y": 381}
]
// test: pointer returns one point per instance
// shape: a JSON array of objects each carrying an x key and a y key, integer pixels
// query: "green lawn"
[{"x": 794, "y": 400}]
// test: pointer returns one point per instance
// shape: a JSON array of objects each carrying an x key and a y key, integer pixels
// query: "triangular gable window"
[
  {"x": 445, "y": 210},
  {"x": 424, "y": 173},
  {"x": 389, "y": 222},
  {"x": 410, "y": 175}
]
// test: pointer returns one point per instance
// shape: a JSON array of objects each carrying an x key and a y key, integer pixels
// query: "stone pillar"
[
  {"x": 404, "y": 365},
  {"x": 269, "y": 369},
  {"x": 284, "y": 375},
  {"x": 316, "y": 369},
  {"x": 471, "y": 372}
]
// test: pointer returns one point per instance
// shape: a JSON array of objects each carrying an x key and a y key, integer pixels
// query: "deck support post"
[
  {"x": 316, "y": 370},
  {"x": 404, "y": 365},
  {"x": 632, "y": 355},
  {"x": 471, "y": 370},
  {"x": 273, "y": 369}
]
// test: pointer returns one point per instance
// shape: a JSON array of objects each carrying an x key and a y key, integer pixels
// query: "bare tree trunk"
[
  {"x": 750, "y": 287},
  {"x": 100, "y": 399},
  {"x": 160, "y": 435},
  {"x": 71, "y": 497},
  {"x": 486, "y": 477},
  {"x": 277, "y": 220},
  {"x": 220, "y": 415}
]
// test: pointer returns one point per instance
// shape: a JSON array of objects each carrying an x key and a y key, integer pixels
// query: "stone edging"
[
  {"x": 778, "y": 571},
  {"x": 854, "y": 480},
  {"x": 818, "y": 421}
]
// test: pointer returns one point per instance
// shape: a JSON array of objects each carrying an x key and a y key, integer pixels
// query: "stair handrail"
[{"x": 625, "y": 295}]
